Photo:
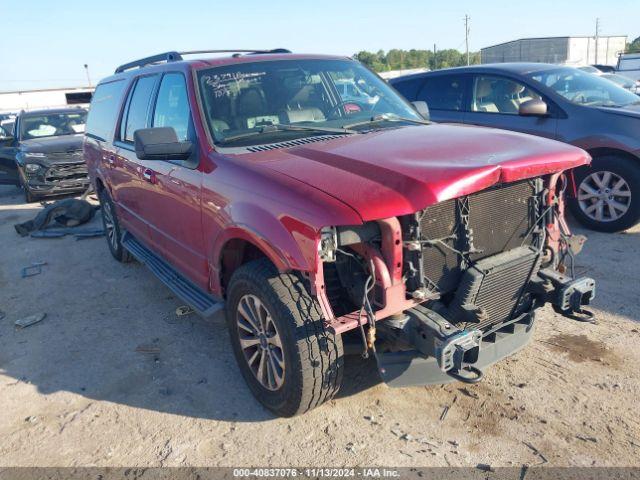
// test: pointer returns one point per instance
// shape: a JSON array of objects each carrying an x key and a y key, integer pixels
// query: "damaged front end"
[
  {"x": 53, "y": 173},
  {"x": 441, "y": 294}
]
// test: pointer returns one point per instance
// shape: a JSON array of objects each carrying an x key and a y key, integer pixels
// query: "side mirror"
[
  {"x": 533, "y": 108},
  {"x": 160, "y": 143},
  {"x": 422, "y": 108}
]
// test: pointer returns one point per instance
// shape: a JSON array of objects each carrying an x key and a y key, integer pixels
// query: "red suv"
[{"x": 249, "y": 182}]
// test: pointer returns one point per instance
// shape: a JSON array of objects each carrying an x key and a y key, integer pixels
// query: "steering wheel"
[{"x": 348, "y": 107}]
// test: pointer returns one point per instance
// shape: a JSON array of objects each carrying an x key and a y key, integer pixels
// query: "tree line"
[
  {"x": 396, "y": 59},
  {"x": 634, "y": 47}
]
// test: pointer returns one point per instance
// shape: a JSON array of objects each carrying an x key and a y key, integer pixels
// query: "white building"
[
  {"x": 45, "y": 98},
  {"x": 573, "y": 51}
]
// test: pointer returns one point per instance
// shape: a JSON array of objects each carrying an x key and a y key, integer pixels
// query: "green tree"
[
  {"x": 634, "y": 47},
  {"x": 397, "y": 59}
]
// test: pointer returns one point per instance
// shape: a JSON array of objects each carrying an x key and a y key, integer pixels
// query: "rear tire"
[
  {"x": 112, "y": 230},
  {"x": 596, "y": 194},
  {"x": 305, "y": 358}
]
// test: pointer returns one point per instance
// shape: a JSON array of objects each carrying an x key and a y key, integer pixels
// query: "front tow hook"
[{"x": 475, "y": 377}]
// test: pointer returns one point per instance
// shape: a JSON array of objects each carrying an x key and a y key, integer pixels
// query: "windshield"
[
  {"x": 52, "y": 124},
  {"x": 584, "y": 88},
  {"x": 269, "y": 98}
]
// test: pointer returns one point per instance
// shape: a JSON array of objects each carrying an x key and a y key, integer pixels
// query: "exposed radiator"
[
  {"x": 499, "y": 219},
  {"x": 492, "y": 287}
]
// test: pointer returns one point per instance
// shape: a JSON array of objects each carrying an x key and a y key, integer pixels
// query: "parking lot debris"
[
  {"x": 34, "y": 269},
  {"x": 88, "y": 233},
  {"x": 147, "y": 349},
  {"x": 30, "y": 320},
  {"x": 443, "y": 415},
  {"x": 69, "y": 212},
  {"x": 79, "y": 234},
  {"x": 183, "y": 310},
  {"x": 536, "y": 451}
]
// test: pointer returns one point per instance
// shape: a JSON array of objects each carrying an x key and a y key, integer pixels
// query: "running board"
[{"x": 203, "y": 303}]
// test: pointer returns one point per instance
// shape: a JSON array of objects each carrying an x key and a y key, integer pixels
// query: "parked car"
[
  {"x": 591, "y": 69},
  {"x": 625, "y": 82},
  {"x": 605, "y": 68},
  {"x": 43, "y": 153},
  {"x": 557, "y": 102},
  {"x": 629, "y": 65},
  {"x": 249, "y": 182}
]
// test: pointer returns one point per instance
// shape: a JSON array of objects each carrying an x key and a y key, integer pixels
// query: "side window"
[
  {"x": 104, "y": 110},
  {"x": 138, "y": 107},
  {"x": 172, "y": 105},
  {"x": 443, "y": 92},
  {"x": 499, "y": 95}
]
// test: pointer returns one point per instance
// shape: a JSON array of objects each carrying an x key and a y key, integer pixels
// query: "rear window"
[
  {"x": 443, "y": 92},
  {"x": 104, "y": 109}
]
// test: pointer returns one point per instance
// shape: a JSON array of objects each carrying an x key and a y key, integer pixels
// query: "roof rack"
[{"x": 177, "y": 56}]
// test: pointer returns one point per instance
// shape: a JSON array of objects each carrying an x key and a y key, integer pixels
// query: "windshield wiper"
[
  {"x": 285, "y": 127},
  {"x": 386, "y": 117}
]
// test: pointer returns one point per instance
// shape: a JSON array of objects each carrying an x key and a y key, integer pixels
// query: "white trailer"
[
  {"x": 571, "y": 51},
  {"x": 11, "y": 102}
]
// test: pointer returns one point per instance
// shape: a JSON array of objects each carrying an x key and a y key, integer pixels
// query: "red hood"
[{"x": 400, "y": 171}]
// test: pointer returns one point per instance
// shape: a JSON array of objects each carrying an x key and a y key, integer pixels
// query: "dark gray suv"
[{"x": 557, "y": 102}]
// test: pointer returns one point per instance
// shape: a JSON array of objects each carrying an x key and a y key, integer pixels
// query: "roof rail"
[
  {"x": 177, "y": 56},
  {"x": 162, "y": 57}
]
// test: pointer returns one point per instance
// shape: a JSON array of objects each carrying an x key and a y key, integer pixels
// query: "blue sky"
[{"x": 45, "y": 44}]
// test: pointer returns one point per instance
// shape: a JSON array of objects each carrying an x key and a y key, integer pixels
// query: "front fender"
[{"x": 289, "y": 243}]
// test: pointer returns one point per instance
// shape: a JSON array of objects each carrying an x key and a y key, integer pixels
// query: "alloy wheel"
[
  {"x": 109, "y": 225},
  {"x": 260, "y": 342},
  {"x": 604, "y": 196}
]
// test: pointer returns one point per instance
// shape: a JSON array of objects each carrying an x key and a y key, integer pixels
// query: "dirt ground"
[{"x": 112, "y": 377}]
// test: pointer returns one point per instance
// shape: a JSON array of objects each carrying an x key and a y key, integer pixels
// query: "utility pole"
[
  {"x": 466, "y": 35},
  {"x": 435, "y": 58},
  {"x": 597, "y": 37},
  {"x": 86, "y": 68}
]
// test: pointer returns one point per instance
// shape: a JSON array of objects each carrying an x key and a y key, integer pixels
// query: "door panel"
[
  {"x": 130, "y": 190},
  {"x": 175, "y": 216},
  {"x": 8, "y": 168},
  {"x": 495, "y": 101},
  {"x": 445, "y": 97}
]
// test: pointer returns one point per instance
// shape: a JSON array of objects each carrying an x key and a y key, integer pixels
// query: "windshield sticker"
[{"x": 227, "y": 84}]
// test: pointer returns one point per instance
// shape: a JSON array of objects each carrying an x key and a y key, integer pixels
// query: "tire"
[
  {"x": 28, "y": 196},
  {"x": 312, "y": 357},
  {"x": 112, "y": 230},
  {"x": 616, "y": 168}
]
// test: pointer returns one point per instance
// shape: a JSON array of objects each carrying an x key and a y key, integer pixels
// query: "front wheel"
[
  {"x": 289, "y": 360},
  {"x": 608, "y": 194}
]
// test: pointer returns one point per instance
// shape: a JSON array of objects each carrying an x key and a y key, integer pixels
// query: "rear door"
[
  {"x": 444, "y": 94},
  {"x": 132, "y": 191},
  {"x": 175, "y": 219},
  {"x": 495, "y": 100}
]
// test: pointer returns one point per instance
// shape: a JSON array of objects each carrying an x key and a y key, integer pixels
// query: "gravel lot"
[{"x": 112, "y": 377}]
